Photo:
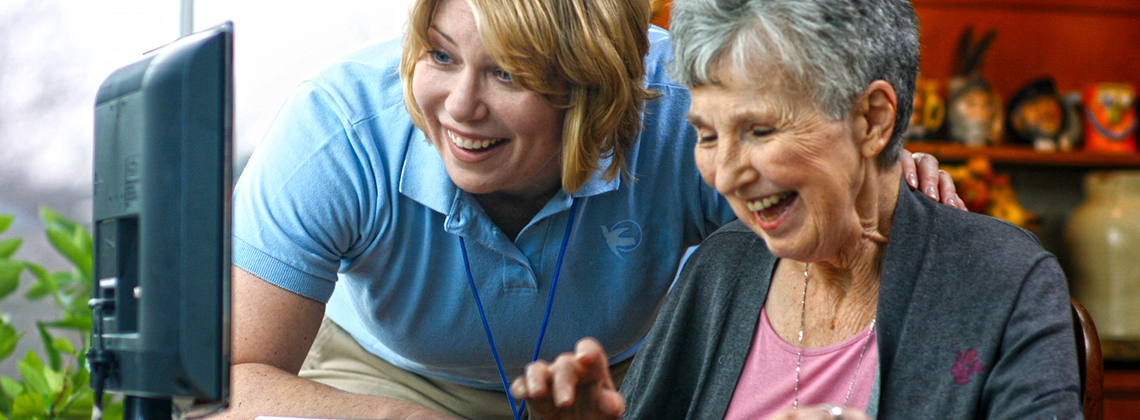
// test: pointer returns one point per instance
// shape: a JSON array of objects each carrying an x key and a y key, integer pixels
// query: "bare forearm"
[{"x": 259, "y": 390}]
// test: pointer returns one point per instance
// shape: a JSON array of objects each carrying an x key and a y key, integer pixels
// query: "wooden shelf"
[{"x": 1025, "y": 155}]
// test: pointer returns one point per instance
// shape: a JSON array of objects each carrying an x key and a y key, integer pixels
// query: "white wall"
[
  {"x": 54, "y": 54},
  {"x": 280, "y": 43}
]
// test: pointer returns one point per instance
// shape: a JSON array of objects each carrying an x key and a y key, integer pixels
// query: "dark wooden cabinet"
[{"x": 1122, "y": 392}]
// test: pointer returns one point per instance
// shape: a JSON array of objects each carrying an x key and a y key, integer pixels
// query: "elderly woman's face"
[
  {"x": 789, "y": 171},
  {"x": 493, "y": 135}
]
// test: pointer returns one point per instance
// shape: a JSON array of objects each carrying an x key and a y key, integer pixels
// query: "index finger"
[{"x": 592, "y": 359}]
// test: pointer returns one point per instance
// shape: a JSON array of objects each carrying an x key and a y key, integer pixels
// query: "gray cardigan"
[{"x": 973, "y": 322}]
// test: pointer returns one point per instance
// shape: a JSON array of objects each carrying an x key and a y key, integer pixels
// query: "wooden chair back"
[{"x": 1091, "y": 362}]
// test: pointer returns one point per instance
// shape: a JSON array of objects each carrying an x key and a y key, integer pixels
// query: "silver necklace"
[{"x": 800, "y": 350}]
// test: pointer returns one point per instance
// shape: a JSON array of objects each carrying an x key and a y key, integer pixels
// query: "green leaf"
[
  {"x": 79, "y": 408},
  {"x": 77, "y": 413},
  {"x": 53, "y": 220},
  {"x": 86, "y": 243},
  {"x": 33, "y": 360},
  {"x": 79, "y": 323},
  {"x": 61, "y": 240},
  {"x": 5, "y": 221},
  {"x": 55, "y": 381},
  {"x": 9, "y": 276},
  {"x": 29, "y": 405},
  {"x": 40, "y": 288},
  {"x": 9, "y": 247},
  {"x": 54, "y": 359},
  {"x": 11, "y": 387},
  {"x": 44, "y": 286},
  {"x": 63, "y": 280},
  {"x": 8, "y": 339},
  {"x": 63, "y": 345},
  {"x": 39, "y": 271},
  {"x": 32, "y": 369},
  {"x": 112, "y": 411},
  {"x": 37, "y": 291},
  {"x": 82, "y": 379},
  {"x": 71, "y": 240}
]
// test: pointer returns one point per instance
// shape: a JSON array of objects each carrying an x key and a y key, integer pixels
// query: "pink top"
[{"x": 768, "y": 381}]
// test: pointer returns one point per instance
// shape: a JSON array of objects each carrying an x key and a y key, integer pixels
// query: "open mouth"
[
  {"x": 770, "y": 208},
  {"x": 468, "y": 143}
]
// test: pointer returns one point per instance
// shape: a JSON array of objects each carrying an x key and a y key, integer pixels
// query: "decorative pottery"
[
  {"x": 1110, "y": 117},
  {"x": 1103, "y": 239},
  {"x": 974, "y": 112},
  {"x": 1036, "y": 115},
  {"x": 929, "y": 110}
]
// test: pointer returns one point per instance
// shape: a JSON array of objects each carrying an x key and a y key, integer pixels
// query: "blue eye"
[
  {"x": 439, "y": 56},
  {"x": 503, "y": 75}
]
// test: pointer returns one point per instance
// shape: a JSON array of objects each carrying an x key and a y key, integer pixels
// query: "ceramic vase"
[{"x": 1103, "y": 239}]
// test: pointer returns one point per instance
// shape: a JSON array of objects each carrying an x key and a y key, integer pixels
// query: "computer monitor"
[{"x": 163, "y": 178}]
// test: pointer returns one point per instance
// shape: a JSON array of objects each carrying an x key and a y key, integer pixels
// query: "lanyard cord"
[{"x": 545, "y": 319}]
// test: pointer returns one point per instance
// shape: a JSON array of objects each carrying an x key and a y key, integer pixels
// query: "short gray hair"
[{"x": 833, "y": 49}]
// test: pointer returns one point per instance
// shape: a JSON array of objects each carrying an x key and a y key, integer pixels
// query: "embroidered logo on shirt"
[
  {"x": 622, "y": 237},
  {"x": 967, "y": 366}
]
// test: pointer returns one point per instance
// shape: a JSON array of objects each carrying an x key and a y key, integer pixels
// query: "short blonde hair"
[{"x": 584, "y": 56}]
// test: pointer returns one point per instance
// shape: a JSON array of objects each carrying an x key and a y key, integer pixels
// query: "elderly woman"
[{"x": 838, "y": 292}]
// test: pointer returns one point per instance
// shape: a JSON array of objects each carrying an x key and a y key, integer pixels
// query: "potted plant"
[{"x": 54, "y": 384}]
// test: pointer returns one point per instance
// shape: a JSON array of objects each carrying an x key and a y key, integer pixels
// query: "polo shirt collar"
[
  {"x": 423, "y": 177},
  {"x": 596, "y": 185}
]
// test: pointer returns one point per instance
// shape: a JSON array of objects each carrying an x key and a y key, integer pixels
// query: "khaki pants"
[{"x": 337, "y": 360}]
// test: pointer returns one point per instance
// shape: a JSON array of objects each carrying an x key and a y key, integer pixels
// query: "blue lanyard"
[{"x": 545, "y": 319}]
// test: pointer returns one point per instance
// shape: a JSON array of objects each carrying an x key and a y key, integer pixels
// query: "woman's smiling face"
[
  {"x": 789, "y": 172},
  {"x": 493, "y": 135}
]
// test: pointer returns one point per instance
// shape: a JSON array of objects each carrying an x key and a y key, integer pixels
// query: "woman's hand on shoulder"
[
  {"x": 574, "y": 386},
  {"x": 921, "y": 172},
  {"x": 821, "y": 412}
]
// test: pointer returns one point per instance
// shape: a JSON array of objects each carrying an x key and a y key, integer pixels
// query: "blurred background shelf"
[
  {"x": 1077, "y": 42},
  {"x": 1025, "y": 155}
]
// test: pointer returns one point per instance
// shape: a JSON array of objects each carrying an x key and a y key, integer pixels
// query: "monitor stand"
[{"x": 142, "y": 408}]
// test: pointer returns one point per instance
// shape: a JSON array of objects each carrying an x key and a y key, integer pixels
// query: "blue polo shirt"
[{"x": 345, "y": 202}]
